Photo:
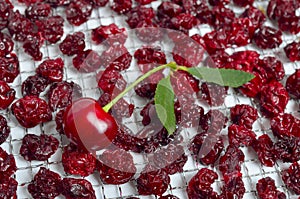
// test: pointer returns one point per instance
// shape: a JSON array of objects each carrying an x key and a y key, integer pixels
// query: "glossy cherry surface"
[{"x": 88, "y": 125}]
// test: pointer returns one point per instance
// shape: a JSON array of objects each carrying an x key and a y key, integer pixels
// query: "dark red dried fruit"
[
  {"x": 292, "y": 51},
  {"x": 78, "y": 12},
  {"x": 73, "y": 44},
  {"x": 146, "y": 89},
  {"x": 240, "y": 135},
  {"x": 116, "y": 166},
  {"x": 241, "y": 32},
  {"x": 253, "y": 87},
  {"x": 285, "y": 125},
  {"x": 6, "y": 9},
  {"x": 45, "y": 184},
  {"x": 206, "y": 147},
  {"x": 213, "y": 94},
  {"x": 62, "y": 94},
  {"x": 213, "y": 120},
  {"x": 110, "y": 35},
  {"x": 222, "y": 16},
  {"x": 31, "y": 111},
  {"x": 188, "y": 53},
  {"x": 78, "y": 162},
  {"x": 273, "y": 98},
  {"x": 288, "y": 149},
  {"x": 51, "y": 28},
  {"x": 216, "y": 41},
  {"x": 9, "y": 68},
  {"x": 267, "y": 37},
  {"x": 266, "y": 189},
  {"x": 168, "y": 9},
  {"x": 149, "y": 57},
  {"x": 139, "y": 13},
  {"x": 243, "y": 60},
  {"x": 34, "y": 85},
  {"x": 184, "y": 21},
  {"x": 243, "y": 115},
  {"x": 172, "y": 159},
  {"x": 38, "y": 11},
  {"x": 6, "y": 44},
  {"x": 233, "y": 187},
  {"x": 4, "y": 129},
  {"x": 243, "y": 3},
  {"x": 7, "y": 164},
  {"x": 273, "y": 67},
  {"x": 7, "y": 95},
  {"x": 36, "y": 147},
  {"x": 279, "y": 8},
  {"x": 51, "y": 69},
  {"x": 111, "y": 81},
  {"x": 291, "y": 177},
  {"x": 121, "y": 6},
  {"x": 153, "y": 182},
  {"x": 87, "y": 61},
  {"x": 289, "y": 23},
  {"x": 256, "y": 16},
  {"x": 199, "y": 186},
  {"x": 73, "y": 188},
  {"x": 32, "y": 45},
  {"x": 19, "y": 26},
  {"x": 8, "y": 187},
  {"x": 231, "y": 161},
  {"x": 59, "y": 121},
  {"x": 149, "y": 114},
  {"x": 293, "y": 84},
  {"x": 264, "y": 147}
]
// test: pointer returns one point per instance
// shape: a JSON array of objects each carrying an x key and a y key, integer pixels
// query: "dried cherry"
[
  {"x": 264, "y": 147},
  {"x": 288, "y": 149},
  {"x": 36, "y": 147},
  {"x": 51, "y": 69},
  {"x": 7, "y": 95},
  {"x": 206, "y": 147},
  {"x": 31, "y": 111},
  {"x": 240, "y": 135},
  {"x": 273, "y": 98},
  {"x": 110, "y": 35},
  {"x": 121, "y": 6},
  {"x": 266, "y": 189},
  {"x": 116, "y": 166},
  {"x": 62, "y": 94},
  {"x": 256, "y": 16},
  {"x": 231, "y": 161},
  {"x": 285, "y": 125},
  {"x": 38, "y": 11},
  {"x": 7, "y": 164},
  {"x": 8, "y": 187},
  {"x": 273, "y": 67},
  {"x": 243, "y": 115},
  {"x": 139, "y": 13},
  {"x": 87, "y": 61},
  {"x": 73, "y": 188},
  {"x": 76, "y": 161},
  {"x": 45, "y": 184},
  {"x": 9, "y": 68},
  {"x": 34, "y": 85},
  {"x": 6, "y": 43},
  {"x": 4, "y": 129},
  {"x": 267, "y": 37},
  {"x": 292, "y": 51},
  {"x": 78, "y": 12},
  {"x": 291, "y": 176},
  {"x": 73, "y": 44}
]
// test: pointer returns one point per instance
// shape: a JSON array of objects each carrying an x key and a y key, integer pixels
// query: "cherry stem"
[{"x": 171, "y": 65}]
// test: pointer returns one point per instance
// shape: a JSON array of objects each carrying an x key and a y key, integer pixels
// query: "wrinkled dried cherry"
[
  {"x": 31, "y": 111},
  {"x": 34, "y": 85},
  {"x": 7, "y": 164},
  {"x": 267, "y": 37},
  {"x": 264, "y": 147},
  {"x": 244, "y": 115},
  {"x": 266, "y": 189},
  {"x": 4, "y": 129},
  {"x": 78, "y": 12},
  {"x": 73, "y": 188},
  {"x": 110, "y": 35},
  {"x": 73, "y": 44},
  {"x": 240, "y": 135},
  {"x": 87, "y": 61},
  {"x": 292, "y": 51},
  {"x": 36, "y": 147},
  {"x": 6, "y": 44},
  {"x": 51, "y": 69},
  {"x": 9, "y": 68},
  {"x": 38, "y": 11},
  {"x": 7, "y": 95},
  {"x": 291, "y": 177}
]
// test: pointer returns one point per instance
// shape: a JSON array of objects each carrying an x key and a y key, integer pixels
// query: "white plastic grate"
[{"x": 252, "y": 169}]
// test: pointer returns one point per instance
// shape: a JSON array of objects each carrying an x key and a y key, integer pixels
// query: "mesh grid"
[{"x": 251, "y": 168}]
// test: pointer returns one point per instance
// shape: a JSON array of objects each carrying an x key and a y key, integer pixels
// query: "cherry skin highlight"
[{"x": 88, "y": 126}]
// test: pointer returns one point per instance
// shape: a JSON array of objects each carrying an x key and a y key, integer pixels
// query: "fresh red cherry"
[{"x": 87, "y": 125}]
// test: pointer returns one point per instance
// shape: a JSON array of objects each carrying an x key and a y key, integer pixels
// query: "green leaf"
[
  {"x": 224, "y": 77},
  {"x": 164, "y": 104}
]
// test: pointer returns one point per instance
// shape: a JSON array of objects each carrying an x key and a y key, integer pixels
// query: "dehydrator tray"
[{"x": 252, "y": 169}]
